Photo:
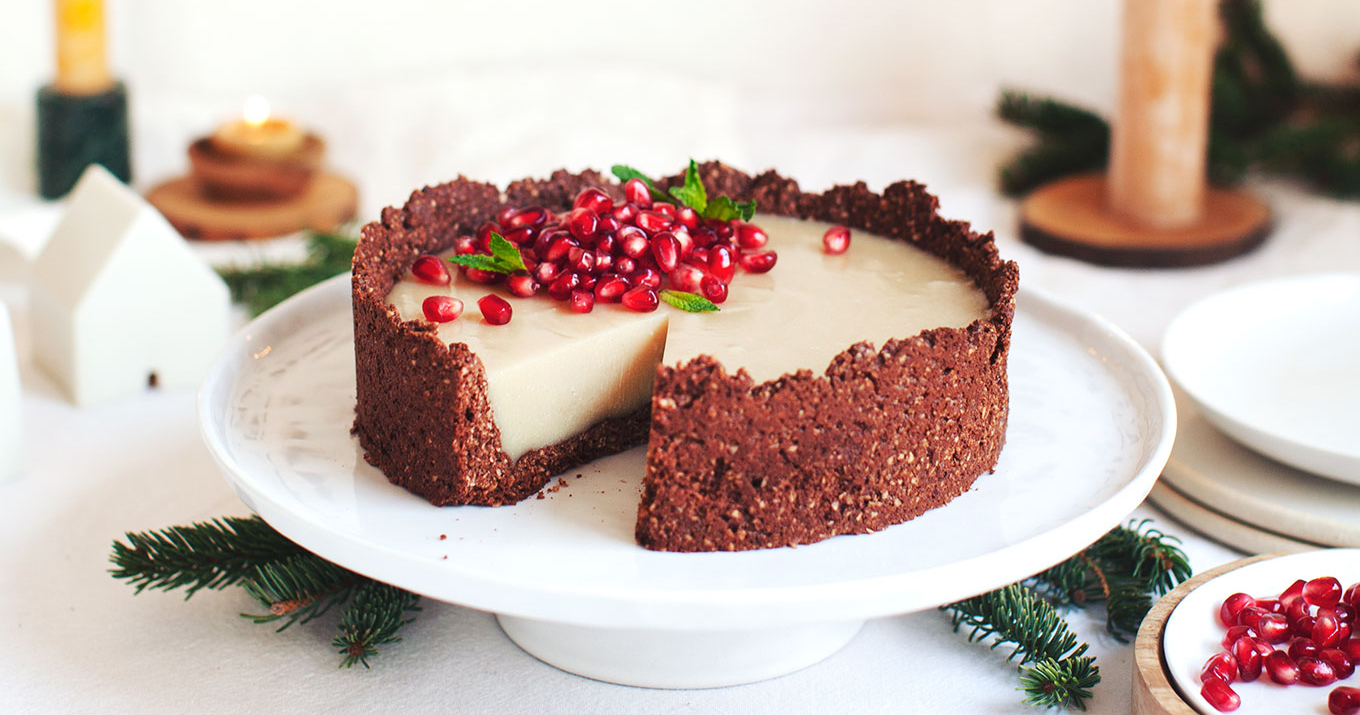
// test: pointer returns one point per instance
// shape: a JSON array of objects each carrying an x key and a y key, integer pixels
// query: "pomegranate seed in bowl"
[
  {"x": 1344, "y": 701},
  {"x": 1220, "y": 695}
]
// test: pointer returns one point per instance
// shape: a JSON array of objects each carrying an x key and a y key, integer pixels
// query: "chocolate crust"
[{"x": 731, "y": 465}]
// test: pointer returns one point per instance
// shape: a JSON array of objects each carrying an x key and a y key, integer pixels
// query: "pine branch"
[
  {"x": 265, "y": 285},
  {"x": 1017, "y": 616},
  {"x": 1060, "y": 684},
  {"x": 214, "y": 554},
  {"x": 301, "y": 588},
  {"x": 373, "y": 619}
]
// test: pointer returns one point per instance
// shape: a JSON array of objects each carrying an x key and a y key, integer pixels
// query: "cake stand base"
[
  {"x": 678, "y": 659},
  {"x": 1070, "y": 217},
  {"x": 329, "y": 201}
]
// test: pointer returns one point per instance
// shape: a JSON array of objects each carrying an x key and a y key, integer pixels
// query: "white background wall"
[{"x": 371, "y": 74}]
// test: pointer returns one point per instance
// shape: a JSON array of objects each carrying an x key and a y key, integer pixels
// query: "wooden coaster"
[
  {"x": 1070, "y": 217},
  {"x": 330, "y": 201},
  {"x": 1153, "y": 693}
]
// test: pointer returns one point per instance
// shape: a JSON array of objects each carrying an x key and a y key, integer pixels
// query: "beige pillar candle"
[
  {"x": 1161, "y": 131},
  {"x": 82, "y": 65}
]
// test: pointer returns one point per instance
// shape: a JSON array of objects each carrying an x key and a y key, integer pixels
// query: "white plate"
[
  {"x": 1221, "y": 527},
  {"x": 1193, "y": 632},
  {"x": 1214, "y": 470},
  {"x": 1274, "y": 364},
  {"x": 1091, "y": 427}
]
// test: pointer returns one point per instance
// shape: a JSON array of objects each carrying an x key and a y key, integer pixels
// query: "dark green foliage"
[
  {"x": 1124, "y": 569},
  {"x": 373, "y": 619},
  {"x": 213, "y": 554},
  {"x": 1262, "y": 117},
  {"x": 265, "y": 285},
  {"x": 292, "y": 583}
]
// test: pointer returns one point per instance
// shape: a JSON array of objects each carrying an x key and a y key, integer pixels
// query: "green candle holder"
[{"x": 75, "y": 131}]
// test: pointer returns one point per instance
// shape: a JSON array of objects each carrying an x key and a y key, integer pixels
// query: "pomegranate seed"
[
  {"x": 1344, "y": 701},
  {"x": 603, "y": 261},
  {"x": 642, "y": 299},
  {"x": 1296, "y": 608},
  {"x": 521, "y": 286},
  {"x": 1222, "y": 666},
  {"x": 442, "y": 308},
  {"x": 683, "y": 238},
  {"x": 608, "y": 225},
  {"x": 686, "y": 277},
  {"x": 610, "y": 288},
  {"x": 505, "y": 213},
  {"x": 667, "y": 251},
  {"x": 713, "y": 289},
  {"x": 705, "y": 237},
  {"x": 1295, "y": 590},
  {"x": 532, "y": 216},
  {"x": 1351, "y": 647},
  {"x": 637, "y": 192},
  {"x": 836, "y": 240},
  {"x": 1233, "y": 634},
  {"x": 1251, "y": 616},
  {"x": 1302, "y": 648},
  {"x": 760, "y": 262},
  {"x": 1313, "y": 671},
  {"x": 478, "y": 275},
  {"x": 605, "y": 245},
  {"x": 666, "y": 208},
  {"x": 688, "y": 217},
  {"x": 652, "y": 221},
  {"x": 546, "y": 273},
  {"x": 1344, "y": 612},
  {"x": 750, "y": 236},
  {"x": 1352, "y": 597},
  {"x": 1326, "y": 629},
  {"x": 588, "y": 282},
  {"x": 582, "y": 301},
  {"x": 1281, "y": 668},
  {"x": 1340, "y": 662},
  {"x": 1248, "y": 659},
  {"x": 562, "y": 287},
  {"x": 593, "y": 200},
  {"x": 495, "y": 310},
  {"x": 722, "y": 264},
  {"x": 645, "y": 278},
  {"x": 464, "y": 245},
  {"x": 431, "y": 269},
  {"x": 1325, "y": 591},
  {"x": 1273, "y": 627},
  {"x": 625, "y": 266},
  {"x": 1270, "y": 604},
  {"x": 583, "y": 223},
  {"x": 1220, "y": 695},
  {"x": 633, "y": 241},
  {"x": 625, "y": 213},
  {"x": 560, "y": 248},
  {"x": 581, "y": 260},
  {"x": 725, "y": 229},
  {"x": 519, "y": 236}
]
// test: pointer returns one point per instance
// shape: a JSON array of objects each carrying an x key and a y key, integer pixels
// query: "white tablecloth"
[{"x": 75, "y": 640}]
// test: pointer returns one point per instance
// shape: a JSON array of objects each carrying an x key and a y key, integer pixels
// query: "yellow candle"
[
  {"x": 81, "y": 63},
  {"x": 259, "y": 135}
]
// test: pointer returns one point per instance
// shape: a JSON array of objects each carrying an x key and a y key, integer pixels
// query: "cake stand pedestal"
[{"x": 678, "y": 659}]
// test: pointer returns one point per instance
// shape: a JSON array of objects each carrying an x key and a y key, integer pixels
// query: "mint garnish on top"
[
  {"x": 504, "y": 258},
  {"x": 688, "y": 302},
  {"x": 692, "y": 194}
]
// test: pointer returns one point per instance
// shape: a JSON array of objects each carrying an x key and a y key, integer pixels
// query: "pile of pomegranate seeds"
[
  {"x": 603, "y": 252},
  {"x": 1303, "y": 636}
]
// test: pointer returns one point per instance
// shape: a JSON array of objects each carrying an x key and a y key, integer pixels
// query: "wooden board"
[
  {"x": 1153, "y": 693},
  {"x": 331, "y": 200},
  {"x": 1071, "y": 217},
  {"x": 1223, "y": 528}
]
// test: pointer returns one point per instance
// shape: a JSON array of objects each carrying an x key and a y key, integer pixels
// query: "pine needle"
[
  {"x": 301, "y": 588},
  {"x": 1019, "y": 617},
  {"x": 213, "y": 554}
]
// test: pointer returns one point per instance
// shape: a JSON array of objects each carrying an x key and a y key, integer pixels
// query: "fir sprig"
[
  {"x": 1060, "y": 683},
  {"x": 264, "y": 285},
  {"x": 293, "y": 584}
]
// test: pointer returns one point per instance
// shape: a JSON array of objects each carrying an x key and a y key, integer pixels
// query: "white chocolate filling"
[{"x": 553, "y": 373}]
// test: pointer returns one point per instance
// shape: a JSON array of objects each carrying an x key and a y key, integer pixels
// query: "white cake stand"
[{"x": 1092, "y": 421}]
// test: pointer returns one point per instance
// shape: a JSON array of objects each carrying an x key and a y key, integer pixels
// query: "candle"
[
  {"x": 257, "y": 135},
  {"x": 81, "y": 65},
  {"x": 1157, "y": 150}
]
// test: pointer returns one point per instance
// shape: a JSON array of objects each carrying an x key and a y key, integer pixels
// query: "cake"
[{"x": 794, "y": 431}]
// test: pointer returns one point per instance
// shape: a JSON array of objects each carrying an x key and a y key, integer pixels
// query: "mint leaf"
[
  {"x": 692, "y": 194},
  {"x": 506, "y": 253},
  {"x": 725, "y": 209},
  {"x": 688, "y": 302},
  {"x": 504, "y": 258},
  {"x": 624, "y": 173}
]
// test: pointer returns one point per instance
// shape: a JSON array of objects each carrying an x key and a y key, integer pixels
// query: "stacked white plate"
[{"x": 1267, "y": 452}]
